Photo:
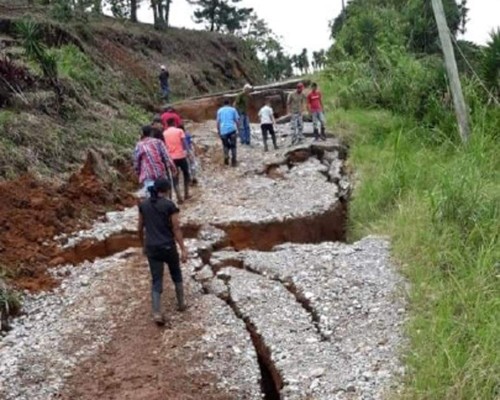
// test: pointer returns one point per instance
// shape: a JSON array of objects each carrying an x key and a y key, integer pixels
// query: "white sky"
[{"x": 305, "y": 24}]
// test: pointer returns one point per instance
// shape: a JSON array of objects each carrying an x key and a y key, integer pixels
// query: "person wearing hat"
[
  {"x": 242, "y": 104},
  {"x": 296, "y": 105},
  {"x": 159, "y": 230},
  {"x": 164, "y": 85}
]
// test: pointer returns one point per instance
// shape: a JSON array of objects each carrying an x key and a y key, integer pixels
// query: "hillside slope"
[{"x": 108, "y": 71}]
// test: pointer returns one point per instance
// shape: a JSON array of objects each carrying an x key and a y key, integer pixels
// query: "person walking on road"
[
  {"x": 159, "y": 222},
  {"x": 296, "y": 105},
  {"x": 227, "y": 128},
  {"x": 191, "y": 156},
  {"x": 242, "y": 104},
  {"x": 151, "y": 159},
  {"x": 170, "y": 113},
  {"x": 164, "y": 84},
  {"x": 175, "y": 139},
  {"x": 158, "y": 128},
  {"x": 315, "y": 107},
  {"x": 267, "y": 121}
]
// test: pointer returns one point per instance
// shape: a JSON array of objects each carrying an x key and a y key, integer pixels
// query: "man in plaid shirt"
[{"x": 151, "y": 159}]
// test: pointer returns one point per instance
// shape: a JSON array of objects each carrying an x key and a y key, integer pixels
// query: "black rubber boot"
[
  {"x": 179, "y": 294},
  {"x": 323, "y": 133},
  {"x": 316, "y": 134},
  {"x": 178, "y": 195},
  {"x": 156, "y": 306}
]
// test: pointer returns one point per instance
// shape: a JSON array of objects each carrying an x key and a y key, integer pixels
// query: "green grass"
[
  {"x": 440, "y": 204},
  {"x": 73, "y": 64}
]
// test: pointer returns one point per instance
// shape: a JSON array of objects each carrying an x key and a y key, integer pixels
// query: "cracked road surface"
[{"x": 280, "y": 307}]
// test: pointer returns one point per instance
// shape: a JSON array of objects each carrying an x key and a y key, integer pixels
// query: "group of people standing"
[
  {"x": 166, "y": 149},
  {"x": 232, "y": 119}
]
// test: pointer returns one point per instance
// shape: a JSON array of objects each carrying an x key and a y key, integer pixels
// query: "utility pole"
[
  {"x": 343, "y": 5},
  {"x": 452, "y": 70}
]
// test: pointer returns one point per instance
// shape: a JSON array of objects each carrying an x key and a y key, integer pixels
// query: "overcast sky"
[{"x": 304, "y": 24}]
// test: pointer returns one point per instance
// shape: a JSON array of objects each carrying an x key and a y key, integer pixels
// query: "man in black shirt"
[
  {"x": 159, "y": 218},
  {"x": 165, "y": 88}
]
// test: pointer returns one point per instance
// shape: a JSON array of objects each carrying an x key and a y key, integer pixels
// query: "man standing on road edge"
[
  {"x": 242, "y": 104},
  {"x": 296, "y": 105},
  {"x": 315, "y": 107},
  {"x": 159, "y": 217},
  {"x": 227, "y": 128},
  {"x": 164, "y": 85}
]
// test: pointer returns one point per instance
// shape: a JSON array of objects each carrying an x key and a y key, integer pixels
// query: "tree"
[
  {"x": 490, "y": 65},
  {"x": 121, "y": 9},
  {"x": 319, "y": 59},
  {"x": 421, "y": 31},
  {"x": 464, "y": 16},
  {"x": 161, "y": 13},
  {"x": 220, "y": 15},
  {"x": 134, "y": 5},
  {"x": 304, "y": 61}
]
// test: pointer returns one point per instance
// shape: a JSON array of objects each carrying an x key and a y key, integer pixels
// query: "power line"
[{"x": 476, "y": 75}]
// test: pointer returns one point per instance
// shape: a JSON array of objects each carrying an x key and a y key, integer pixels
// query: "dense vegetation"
[{"x": 438, "y": 199}]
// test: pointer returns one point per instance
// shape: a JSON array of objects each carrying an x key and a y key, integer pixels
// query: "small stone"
[{"x": 318, "y": 372}]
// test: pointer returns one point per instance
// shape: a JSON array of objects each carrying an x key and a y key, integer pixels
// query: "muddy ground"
[{"x": 281, "y": 308}]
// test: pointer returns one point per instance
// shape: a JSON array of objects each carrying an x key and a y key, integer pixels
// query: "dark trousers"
[
  {"x": 268, "y": 129},
  {"x": 157, "y": 257},
  {"x": 244, "y": 128},
  {"x": 229, "y": 143},
  {"x": 183, "y": 165}
]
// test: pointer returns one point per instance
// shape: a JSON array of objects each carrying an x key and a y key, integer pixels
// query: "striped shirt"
[{"x": 151, "y": 159}]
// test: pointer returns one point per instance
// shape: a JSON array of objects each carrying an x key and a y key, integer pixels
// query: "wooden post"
[{"x": 452, "y": 70}]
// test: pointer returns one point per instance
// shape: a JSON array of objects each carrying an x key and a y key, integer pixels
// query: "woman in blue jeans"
[{"x": 159, "y": 220}]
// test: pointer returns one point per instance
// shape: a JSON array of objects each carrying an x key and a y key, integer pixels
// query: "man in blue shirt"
[{"x": 227, "y": 127}]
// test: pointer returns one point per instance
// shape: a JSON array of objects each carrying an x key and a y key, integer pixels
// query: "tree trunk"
[
  {"x": 167, "y": 12},
  {"x": 155, "y": 12},
  {"x": 212, "y": 15},
  {"x": 133, "y": 10}
]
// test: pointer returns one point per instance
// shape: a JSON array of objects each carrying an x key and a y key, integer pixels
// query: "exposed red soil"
[
  {"x": 143, "y": 361},
  {"x": 32, "y": 212}
]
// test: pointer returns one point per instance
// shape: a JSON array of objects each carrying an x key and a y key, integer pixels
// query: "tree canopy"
[{"x": 221, "y": 15}]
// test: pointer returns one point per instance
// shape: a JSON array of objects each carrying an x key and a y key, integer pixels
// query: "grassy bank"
[{"x": 439, "y": 201}]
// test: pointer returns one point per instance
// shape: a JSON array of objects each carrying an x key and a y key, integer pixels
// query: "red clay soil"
[
  {"x": 33, "y": 212},
  {"x": 139, "y": 364}
]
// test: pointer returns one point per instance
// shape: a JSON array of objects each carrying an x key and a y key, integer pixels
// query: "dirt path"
[{"x": 138, "y": 361}]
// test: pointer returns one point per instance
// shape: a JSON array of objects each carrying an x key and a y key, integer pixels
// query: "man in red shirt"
[
  {"x": 315, "y": 106},
  {"x": 170, "y": 113}
]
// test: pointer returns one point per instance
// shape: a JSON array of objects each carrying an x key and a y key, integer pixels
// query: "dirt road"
[{"x": 279, "y": 308}]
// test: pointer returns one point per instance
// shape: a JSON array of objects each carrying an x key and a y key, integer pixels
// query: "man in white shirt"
[{"x": 267, "y": 121}]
